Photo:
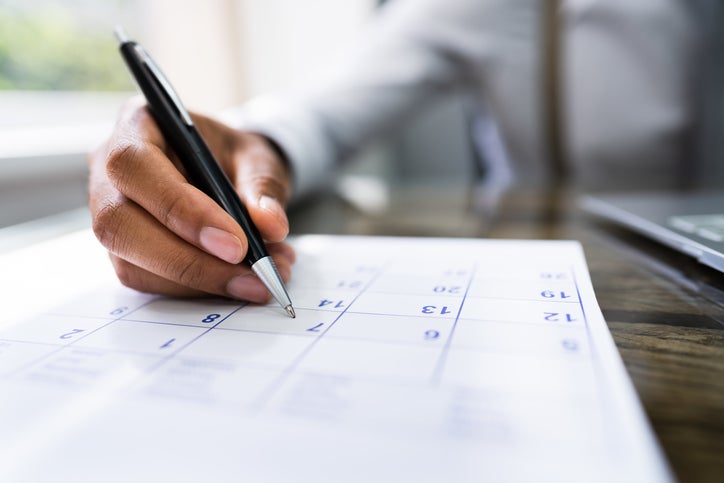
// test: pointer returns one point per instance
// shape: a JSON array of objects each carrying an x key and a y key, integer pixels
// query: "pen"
[{"x": 204, "y": 171}]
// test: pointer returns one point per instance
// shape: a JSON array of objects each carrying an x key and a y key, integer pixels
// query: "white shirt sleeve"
[{"x": 414, "y": 51}]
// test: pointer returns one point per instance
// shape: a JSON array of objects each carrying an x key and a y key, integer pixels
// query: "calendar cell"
[
  {"x": 371, "y": 360},
  {"x": 550, "y": 313},
  {"x": 440, "y": 286},
  {"x": 51, "y": 329},
  {"x": 73, "y": 367},
  {"x": 332, "y": 300},
  {"x": 196, "y": 312},
  {"x": 15, "y": 355},
  {"x": 251, "y": 348},
  {"x": 104, "y": 304},
  {"x": 433, "y": 306},
  {"x": 504, "y": 337},
  {"x": 516, "y": 373},
  {"x": 392, "y": 328},
  {"x": 210, "y": 382},
  {"x": 266, "y": 319},
  {"x": 551, "y": 291},
  {"x": 148, "y": 338},
  {"x": 335, "y": 280}
]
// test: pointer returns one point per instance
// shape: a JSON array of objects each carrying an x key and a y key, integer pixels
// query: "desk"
[{"x": 665, "y": 311}]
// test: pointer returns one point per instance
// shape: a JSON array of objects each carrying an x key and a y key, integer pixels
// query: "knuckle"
[
  {"x": 173, "y": 208},
  {"x": 269, "y": 185},
  {"x": 105, "y": 225},
  {"x": 188, "y": 271},
  {"x": 120, "y": 164}
]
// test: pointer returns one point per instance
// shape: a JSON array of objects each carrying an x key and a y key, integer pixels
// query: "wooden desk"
[{"x": 665, "y": 311}]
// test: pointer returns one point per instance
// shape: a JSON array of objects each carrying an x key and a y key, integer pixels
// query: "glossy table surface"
[{"x": 665, "y": 311}]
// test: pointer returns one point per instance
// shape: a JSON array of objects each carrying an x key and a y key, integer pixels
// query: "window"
[
  {"x": 61, "y": 82},
  {"x": 60, "y": 46}
]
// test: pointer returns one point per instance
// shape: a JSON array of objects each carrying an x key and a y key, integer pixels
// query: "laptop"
[{"x": 691, "y": 223}]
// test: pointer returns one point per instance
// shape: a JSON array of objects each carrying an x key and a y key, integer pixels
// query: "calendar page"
[{"x": 411, "y": 359}]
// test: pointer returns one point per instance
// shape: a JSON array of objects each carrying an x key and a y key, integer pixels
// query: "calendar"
[{"x": 410, "y": 359}]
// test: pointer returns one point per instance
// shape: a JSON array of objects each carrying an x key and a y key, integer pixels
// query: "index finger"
[{"x": 139, "y": 168}]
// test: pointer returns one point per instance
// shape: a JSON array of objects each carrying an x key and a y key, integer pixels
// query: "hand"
[{"x": 164, "y": 235}]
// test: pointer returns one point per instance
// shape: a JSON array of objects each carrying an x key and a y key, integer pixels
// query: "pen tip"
[{"x": 290, "y": 311}]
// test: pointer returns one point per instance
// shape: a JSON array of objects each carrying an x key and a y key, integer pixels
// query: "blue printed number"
[
  {"x": 431, "y": 334},
  {"x": 551, "y": 294},
  {"x": 350, "y": 284},
  {"x": 557, "y": 317},
  {"x": 69, "y": 335},
  {"x": 118, "y": 311},
  {"x": 336, "y": 304},
  {"x": 445, "y": 289},
  {"x": 570, "y": 344},
  {"x": 434, "y": 309},
  {"x": 553, "y": 275},
  {"x": 210, "y": 318}
]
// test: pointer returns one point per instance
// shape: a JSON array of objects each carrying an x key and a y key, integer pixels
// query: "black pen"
[{"x": 203, "y": 169}]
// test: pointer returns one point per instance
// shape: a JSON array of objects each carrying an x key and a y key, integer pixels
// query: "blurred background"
[
  {"x": 62, "y": 82},
  {"x": 62, "y": 79}
]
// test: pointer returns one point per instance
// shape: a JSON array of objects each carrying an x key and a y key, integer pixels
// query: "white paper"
[{"x": 410, "y": 359}]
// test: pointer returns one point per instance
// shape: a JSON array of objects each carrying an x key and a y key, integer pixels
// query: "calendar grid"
[
  {"x": 267, "y": 394},
  {"x": 440, "y": 366},
  {"x": 495, "y": 352},
  {"x": 179, "y": 350},
  {"x": 62, "y": 347}
]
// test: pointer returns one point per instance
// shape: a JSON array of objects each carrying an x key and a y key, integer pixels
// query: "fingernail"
[
  {"x": 221, "y": 244},
  {"x": 247, "y": 287},
  {"x": 272, "y": 205},
  {"x": 269, "y": 204}
]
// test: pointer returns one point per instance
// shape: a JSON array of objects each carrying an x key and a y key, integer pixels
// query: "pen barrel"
[
  {"x": 201, "y": 166},
  {"x": 211, "y": 179}
]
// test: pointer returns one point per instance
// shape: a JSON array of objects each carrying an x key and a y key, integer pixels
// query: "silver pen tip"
[{"x": 290, "y": 311}]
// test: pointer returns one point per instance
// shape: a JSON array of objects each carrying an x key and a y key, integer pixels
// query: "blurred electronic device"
[{"x": 692, "y": 223}]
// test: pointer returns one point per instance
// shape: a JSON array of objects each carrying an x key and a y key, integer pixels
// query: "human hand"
[{"x": 164, "y": 235}]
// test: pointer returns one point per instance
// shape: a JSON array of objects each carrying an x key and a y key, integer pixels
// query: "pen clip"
[{"x": 167, "y": 87}]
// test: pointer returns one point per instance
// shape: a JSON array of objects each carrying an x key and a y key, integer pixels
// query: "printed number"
[
  {"x": 316, "y": 327},
  {"x": 70, "y": 334},
  {"x": 118, "y": 311},
  {"x": 550, "y": 294},
  {"x": 167, "y": 344},
  {"x": 570, "y": 344},
  {"x": 210, "y": 318},
  {"x": 553, "y": 275},
  {"x": 346, "y": 284},
  {"x": 444, "y": 289},
  {"x": 556, "y": 317},
  {"x": 336, "y": 304},
  {"x": 433, "y": 309},
  {"x": 431, "y": 334}
]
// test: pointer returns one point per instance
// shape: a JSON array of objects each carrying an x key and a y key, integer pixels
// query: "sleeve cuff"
[{"x": 297, "y": 132}]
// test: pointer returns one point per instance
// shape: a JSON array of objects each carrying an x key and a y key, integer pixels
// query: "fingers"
[
  {"x": 164, "y": 235},
  {"x": 139, "y": 169},
  {"x": 263, "y": 182},
  {"x": 149, "y": 258},
  {"x": 143, "y": 280}
]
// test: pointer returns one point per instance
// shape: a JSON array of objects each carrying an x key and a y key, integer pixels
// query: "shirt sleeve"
[{"x": 413, "y": 52}]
